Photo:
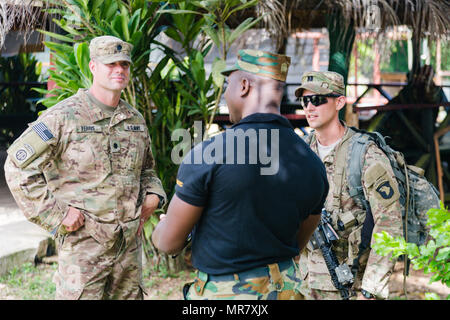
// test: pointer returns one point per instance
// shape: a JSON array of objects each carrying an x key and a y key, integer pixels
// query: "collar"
[
  {"x": 122, "y": 111},
  {"x": 348, "y": 133},
  {"x": 264, "y": 117}
]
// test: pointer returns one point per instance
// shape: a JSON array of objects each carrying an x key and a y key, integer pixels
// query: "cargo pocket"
[
  {"x": 68, "y": 286},
  {"x": 85, "y": 157},
  {"x": 354, "y": 239},
  {"x": 303, "y": 265},
  {"x": 346, "y": 220},
  {"x": 102, "y": 233}
]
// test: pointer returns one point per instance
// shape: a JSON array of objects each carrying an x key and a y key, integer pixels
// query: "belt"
[{"x": 248, "y": 274}]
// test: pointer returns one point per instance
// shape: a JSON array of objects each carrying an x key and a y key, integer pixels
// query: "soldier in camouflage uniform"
[
  {"x": 84, "y": 172},
  {"x": 322, "y": 96},
  {"x": 248, "y": 226}
]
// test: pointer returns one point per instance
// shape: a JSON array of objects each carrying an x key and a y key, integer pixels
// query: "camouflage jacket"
[
  {"x": 375, "y": 270},
  {"x": 76, "y": 155}
]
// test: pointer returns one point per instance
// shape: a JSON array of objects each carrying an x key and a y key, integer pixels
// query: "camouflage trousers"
[
  {"x": 89, "y": 270},
  {"x": 277, "y": 281},
  {"x": 316, "y": 294}
]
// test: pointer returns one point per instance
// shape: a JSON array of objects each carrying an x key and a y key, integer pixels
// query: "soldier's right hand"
[{"x": 73, "y": 220}]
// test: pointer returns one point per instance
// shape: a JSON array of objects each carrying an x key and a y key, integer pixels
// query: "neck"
[
  {"x": 269, "y": 103},
  {"x": 108, "y": 97},
  {"x": 331, "y": 133},
  {"x": 268, "y": 109}
]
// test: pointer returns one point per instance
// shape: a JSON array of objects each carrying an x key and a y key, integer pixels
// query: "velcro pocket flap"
[{"x": 27, "y": 148}]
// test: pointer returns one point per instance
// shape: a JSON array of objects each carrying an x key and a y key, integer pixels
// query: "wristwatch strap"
[{"x": 367, "y": 294}]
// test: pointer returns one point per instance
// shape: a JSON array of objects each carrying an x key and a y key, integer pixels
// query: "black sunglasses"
[{"x": 316, "y": 100}]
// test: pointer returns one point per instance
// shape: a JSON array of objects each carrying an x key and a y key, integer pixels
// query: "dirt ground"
[
  {"x": 163, "y": 287},
  {"x": 417, "y": 284}
]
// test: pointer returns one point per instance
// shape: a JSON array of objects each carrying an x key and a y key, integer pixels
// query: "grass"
[{"x": 30, "y": 282}]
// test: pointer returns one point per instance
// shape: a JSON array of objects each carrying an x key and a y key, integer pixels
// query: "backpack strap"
[
  {"x": 356, "y": 154},
  {"x": 355, "y": 162},
  {"x": 310, "y": 138},
  {"x": 340, "y": 171}
]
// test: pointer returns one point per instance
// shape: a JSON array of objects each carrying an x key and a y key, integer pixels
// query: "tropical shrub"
[{"x": 433, "y": 257}]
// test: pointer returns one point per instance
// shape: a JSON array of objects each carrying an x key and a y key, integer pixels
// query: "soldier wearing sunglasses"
[{"x": 322, "y": 95}]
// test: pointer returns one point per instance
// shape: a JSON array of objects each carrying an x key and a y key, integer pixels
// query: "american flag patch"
[{"x": 43, "y": 132}]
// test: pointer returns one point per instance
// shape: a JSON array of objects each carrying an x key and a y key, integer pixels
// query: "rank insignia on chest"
[
  {"x": 115, "y": 146},
  {"x": 134, "y": 127}
]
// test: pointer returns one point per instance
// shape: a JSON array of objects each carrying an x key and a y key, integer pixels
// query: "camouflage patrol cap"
[
  {"x": 324, "y": 82},
  {"x": 109, "y": 49},
  {"x": 261, "y": 63}
]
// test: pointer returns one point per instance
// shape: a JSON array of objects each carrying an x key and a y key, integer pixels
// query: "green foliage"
[
  {"x": 18, "y": 99},
  {"x": 216, "y": 14},
  {"x": 397, "y": 58},
  {"x": 445, "y": 55},
  {"x": 433, "y": 257}
]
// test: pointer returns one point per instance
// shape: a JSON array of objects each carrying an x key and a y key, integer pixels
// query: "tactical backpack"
[{"x": 417, "y": 195}]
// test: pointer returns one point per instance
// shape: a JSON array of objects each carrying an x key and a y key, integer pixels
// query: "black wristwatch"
[
  {"x": 367, "y": 294},
  {"x": 161, "y": 201}
]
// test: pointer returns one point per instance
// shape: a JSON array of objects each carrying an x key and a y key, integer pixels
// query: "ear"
[
  {"x": 244, "y": 86},
  {"x": 92, "y": 66},
  {"x": 340, "y": 102}
]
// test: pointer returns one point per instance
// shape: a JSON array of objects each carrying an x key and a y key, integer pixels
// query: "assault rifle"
[{"x": 322, "y": 238}]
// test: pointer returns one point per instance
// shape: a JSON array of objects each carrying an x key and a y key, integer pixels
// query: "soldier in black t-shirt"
[{"x": 252, "y": 196}]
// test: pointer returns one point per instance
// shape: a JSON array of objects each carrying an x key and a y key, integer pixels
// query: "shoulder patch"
[
  {"x": 43, "y": 132},
  {"x": 385, "y": 189},
  {"x": 32, "y": 144}
]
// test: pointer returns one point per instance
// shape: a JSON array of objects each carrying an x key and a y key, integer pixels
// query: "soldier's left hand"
[{"x": 149, "y": 206}]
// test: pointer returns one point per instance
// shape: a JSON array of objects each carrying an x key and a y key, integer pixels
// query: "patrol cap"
[
  {"x": 109, "y": 49},
  {"x": 321, "y": 82},
  {"x": 261, "y": 63}
]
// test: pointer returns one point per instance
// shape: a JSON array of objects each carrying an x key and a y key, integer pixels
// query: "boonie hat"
[
  {"x": 109, "y": 49},
  {"x": 261, "y": 63},
  {"x": 321, "y": 82}
]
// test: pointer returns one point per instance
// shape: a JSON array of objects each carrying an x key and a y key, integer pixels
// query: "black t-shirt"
[{"x": 254, "y": 193}]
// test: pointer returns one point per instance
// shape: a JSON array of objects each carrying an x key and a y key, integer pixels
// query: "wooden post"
[
  {"x": 352, "y": 118},
  {"x": 376, "y": 73},
  {"x": 316, "y": 55},
  {"x": 438, "y": 63},
  {"x": 440, "y": 174}
]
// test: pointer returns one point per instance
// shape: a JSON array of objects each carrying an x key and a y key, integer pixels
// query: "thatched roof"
[
  {"x": 430, "y": 18},
  {"x": 23, "y": 15}
]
